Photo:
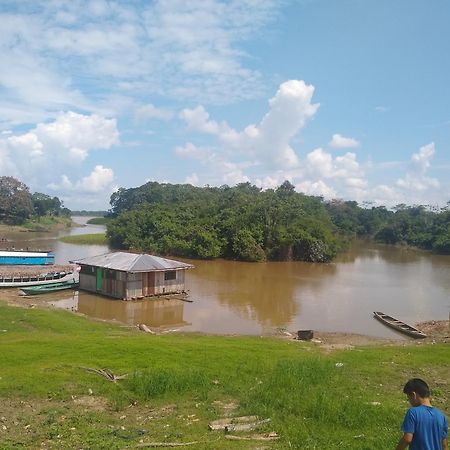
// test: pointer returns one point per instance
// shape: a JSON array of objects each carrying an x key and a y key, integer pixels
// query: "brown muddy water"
[{"x": 232, "y": 297}]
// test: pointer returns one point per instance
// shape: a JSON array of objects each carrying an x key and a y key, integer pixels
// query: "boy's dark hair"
[{"x": 418, "y": 386}]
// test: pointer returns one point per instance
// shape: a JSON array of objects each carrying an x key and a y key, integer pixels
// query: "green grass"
[
  {"x": 175, "y": 382},
  {"x": 47, "y": 223},
  {"x": 86, "y": 239},
  {"x": 99, "y": 220}
]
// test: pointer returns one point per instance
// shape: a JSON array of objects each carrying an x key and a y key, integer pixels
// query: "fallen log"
[
  {"x": 106, "y": 373},
  {"x": 243, "y": 423},
  {"x": 221, "y": 424},
  {"x": 246, "y": 426},
  {"x": 256, "y": 437},
  {"x": 164, "y": 444}
]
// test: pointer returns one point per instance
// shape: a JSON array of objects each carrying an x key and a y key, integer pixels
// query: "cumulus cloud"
[
  {"x": 44, "y": 154},
  {"x": 269, "y": 141},
  {"x": 192, "y": 179},
  {"x": 97, "y": 181},
  {"x": 316, "y": 188},
  {"x": 148, "y": 112},
  {"x": 322, "y": 164},
  {"x": 192, "y": 151},
  {"x": 415, "y": 179},
  {"x": 339, "y": 141}
]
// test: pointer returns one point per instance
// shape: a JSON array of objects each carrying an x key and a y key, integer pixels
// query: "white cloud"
[
  {"x": 316, "y": 188},
  {"x": 71, "y": 130},
  {"x": 77, "y": 55},
  {"x": 339, "y": 141},
  {"x": 415, "y": 178},
  {"x": 268, "y": 142},
  {"x": 93, "y": 189},
  {"x": 421, "y": 160},
  {"x": 45, "y": 153},
  {"x": 193, "y": 152},
  {"x": 148, "y": 112},
  {"x": 28, "y": 142},
  {"x": 98, "y": 180},
  {"x": 192, "y": 179},
  {"x": 197, "y": 119},
  {"x": 320, "y": 163}
]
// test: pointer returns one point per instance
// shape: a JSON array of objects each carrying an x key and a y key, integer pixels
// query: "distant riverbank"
[{"x": 45, "y": 224}]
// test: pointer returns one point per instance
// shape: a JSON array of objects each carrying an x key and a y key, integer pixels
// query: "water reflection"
[
  {"x": 261, "y": 292},
  {"x": 154, "y": 313}
]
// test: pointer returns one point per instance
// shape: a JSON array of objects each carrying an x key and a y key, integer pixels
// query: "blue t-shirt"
[{"x": 429, "y": 426}]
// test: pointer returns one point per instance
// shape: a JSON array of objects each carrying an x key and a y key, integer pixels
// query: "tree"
[
  {"x": 15, "y": 201},
  {"x": 44, "y": 204}
]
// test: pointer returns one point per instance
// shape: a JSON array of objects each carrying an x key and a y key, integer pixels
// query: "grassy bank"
[
  {"x": 176, "y": 384},
  {"x": 86, "y": 239},
  {"x": 98, "y": 221},
  {"x": 44, "y": 223}
]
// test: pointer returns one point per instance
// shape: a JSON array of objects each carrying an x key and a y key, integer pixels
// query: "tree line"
[
  {"x": 18, "y": 204},
  {"x": 240, "y": 222},
  {"x": 420, "y": 226},
  {"x": 246, "y": 223}
]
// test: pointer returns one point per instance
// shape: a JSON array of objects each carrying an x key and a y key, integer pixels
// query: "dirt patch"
[
  {"x": 436, "y": 330},
  {"x": 336, "y": 341},
  {"x": 91, "y": 402},
  {"x": 226, "y": 408}
]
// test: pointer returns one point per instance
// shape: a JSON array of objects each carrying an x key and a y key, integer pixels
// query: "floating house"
[{"x": 130, "y": 276}]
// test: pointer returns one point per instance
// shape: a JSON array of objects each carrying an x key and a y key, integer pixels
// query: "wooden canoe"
[
  {"x": 399, "y": 325},
  {"x": 47, "y": 288}
]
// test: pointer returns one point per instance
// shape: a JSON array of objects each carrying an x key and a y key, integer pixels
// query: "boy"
[{"x": 424, "y": 427}]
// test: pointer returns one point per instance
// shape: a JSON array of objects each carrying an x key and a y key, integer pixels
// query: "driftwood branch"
[
  {"x": 255, "y": 437},
  {"x": 165, "y": 444},
  {"x": 246, "y": 426},
  {"x": 106, "y": 373},
  {"x": 244, "y": 423}
]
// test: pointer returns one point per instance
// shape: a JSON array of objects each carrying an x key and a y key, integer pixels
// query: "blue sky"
[{"x": 346, "y": 99}]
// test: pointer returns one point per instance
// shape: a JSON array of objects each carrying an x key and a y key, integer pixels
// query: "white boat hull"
[{"x": 37, "y": 280}]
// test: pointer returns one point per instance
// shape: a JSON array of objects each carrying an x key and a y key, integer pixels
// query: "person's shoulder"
[{"x": 439, "y": 412}]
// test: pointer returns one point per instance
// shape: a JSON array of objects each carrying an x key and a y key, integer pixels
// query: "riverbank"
[
  {"x": 45, "y": 224},
  {"x": 54, "y": 394},
  {"x": 437, "y": 331},
  {"x": 86, "y": 239}
]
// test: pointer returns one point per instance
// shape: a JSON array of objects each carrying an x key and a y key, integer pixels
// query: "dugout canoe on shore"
[{"x": 398, "y": 325}]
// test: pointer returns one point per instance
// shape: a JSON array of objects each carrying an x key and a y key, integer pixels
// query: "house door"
[
  {"x": 150, "y": 283},
  {"x": 99, "y": 279}
]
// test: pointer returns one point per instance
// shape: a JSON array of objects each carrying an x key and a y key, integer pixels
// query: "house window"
[
  {"x": 88, "y": 270},
  {"x": 172, "y": 275}
]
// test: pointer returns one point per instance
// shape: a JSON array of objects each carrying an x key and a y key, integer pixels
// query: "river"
[{"x": 232, "y": 297}]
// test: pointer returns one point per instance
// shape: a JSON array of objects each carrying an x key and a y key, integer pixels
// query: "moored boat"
[
  {"x": 50, "y": 287},
  {"x": 23, "y": 276},
  {"x": 25, "y": 257},
  {"x": 399, "y": 325}
]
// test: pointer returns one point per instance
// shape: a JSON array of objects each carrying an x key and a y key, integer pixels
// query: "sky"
[{"x": 346, "y": 99}]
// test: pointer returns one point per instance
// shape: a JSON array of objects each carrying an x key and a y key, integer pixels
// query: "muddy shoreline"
[{"x": 437, "y": 331}]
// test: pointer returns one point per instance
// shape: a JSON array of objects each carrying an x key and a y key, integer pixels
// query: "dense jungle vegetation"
[
  {"x": 18, "y": 204},
  {"x": 246, "y": 223}
]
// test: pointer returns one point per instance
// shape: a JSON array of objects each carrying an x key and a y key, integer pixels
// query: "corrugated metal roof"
[{"x": 132, "y": 262}]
